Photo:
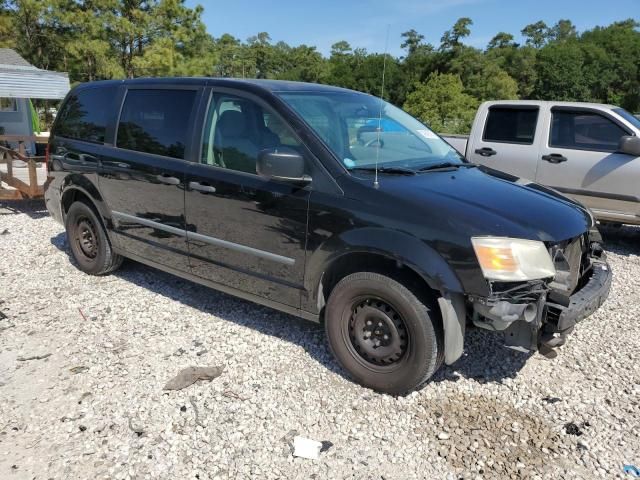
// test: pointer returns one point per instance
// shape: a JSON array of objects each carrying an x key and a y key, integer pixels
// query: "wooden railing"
[{"x": 24, "y": 186}]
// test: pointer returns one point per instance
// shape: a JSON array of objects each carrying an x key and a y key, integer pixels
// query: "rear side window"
[
  {"x": 85, "y": 114},
  {"x": 511, "y": 125},
  {"x": 584, "y": 131},
  {"x": 156, "y": 121}
]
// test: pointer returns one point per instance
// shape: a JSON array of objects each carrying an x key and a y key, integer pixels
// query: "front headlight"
[{"x": 513, "y": 259}]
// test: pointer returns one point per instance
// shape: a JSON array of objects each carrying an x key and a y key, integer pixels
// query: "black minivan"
[{"x": 325, "y": 203}]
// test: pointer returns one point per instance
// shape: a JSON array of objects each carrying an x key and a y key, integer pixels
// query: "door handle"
[
  {"x": 486, "y": 152},
  {"x": 166, "y": 179},
  {"x": 554, "y": 158},
  {"x": 202, "y": 188}
]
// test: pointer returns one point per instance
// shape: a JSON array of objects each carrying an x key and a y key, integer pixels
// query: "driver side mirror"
[
  {"x": 284, "y": 164},
  {"x": 629, "y": 144}
]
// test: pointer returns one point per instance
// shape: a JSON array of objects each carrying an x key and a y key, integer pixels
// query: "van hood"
[{"x": 481, "y": 201}]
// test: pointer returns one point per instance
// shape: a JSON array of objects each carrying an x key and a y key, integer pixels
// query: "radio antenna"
[{"x": 384, "y": 70}]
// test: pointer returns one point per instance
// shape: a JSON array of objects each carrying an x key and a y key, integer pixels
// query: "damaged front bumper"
[
  {"x": 563, "y": 313},
  {"x": 535, "y": 314}
]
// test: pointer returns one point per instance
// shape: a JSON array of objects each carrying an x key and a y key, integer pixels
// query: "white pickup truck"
[{"x": 587, "y": 151}]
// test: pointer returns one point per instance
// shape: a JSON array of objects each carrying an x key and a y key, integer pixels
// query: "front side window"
[
  {"x": 84, "y": 115},
  {"x": 585, "y": 131},
  {"x": 8, "y": 104},
  {"x": 156, "y": 121},
  {"x": 511, "y": 125},
  {"x": 238, "y": 129},
  {"x": 362, "y": 130}
]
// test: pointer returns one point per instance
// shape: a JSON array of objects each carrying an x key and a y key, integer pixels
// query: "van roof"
[{"x": 265, "y": 85}]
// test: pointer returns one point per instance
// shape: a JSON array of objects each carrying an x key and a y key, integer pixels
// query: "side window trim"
[
  {"x": 535, "y": 108},
  {"x": 578, "y": 110},
  {"x": 189, "y": 147}
]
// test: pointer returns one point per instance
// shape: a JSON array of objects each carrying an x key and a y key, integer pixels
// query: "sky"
[{"x": 364, "y": 23}]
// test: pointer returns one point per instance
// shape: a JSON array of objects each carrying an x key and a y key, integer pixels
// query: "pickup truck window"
[
  {"x": 511, "y": 125},
  {"x": 584, "y": 131},
  {"x": 361, "y": 130},
  {"x": 237, "y": 129},
  {"x": 84, "y": 115},
  {"x": 156, "y": 121}
]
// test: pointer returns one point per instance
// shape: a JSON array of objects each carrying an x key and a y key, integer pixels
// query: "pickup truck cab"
[
  {"x": 587, "y": 151},
  {"x": 325, "y": 203}
]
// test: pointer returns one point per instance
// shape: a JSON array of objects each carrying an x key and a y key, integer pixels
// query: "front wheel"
[
  {"x": 382, "y": 334},
  {"x": 88, "y": 240}
]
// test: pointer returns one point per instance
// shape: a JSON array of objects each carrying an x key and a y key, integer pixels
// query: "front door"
[
  {"x": 580, "y": 159},
  {"x": 245, "y": 231},
  {"x": 142, "y": 178}
]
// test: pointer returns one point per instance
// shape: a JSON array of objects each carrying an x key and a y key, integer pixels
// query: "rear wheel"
[
  {"x": 88, "y": 240},
  {"x": 381, "y": 333}
]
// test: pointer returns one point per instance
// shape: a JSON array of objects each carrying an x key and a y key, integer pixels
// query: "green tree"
[
  {"x": 563, "y": 30},
  {"x": 412, "y": 41},
  {"x": 501, "y": 40},
  {"x": 560, "y": 73},
  {"x": 442, "y": 104},
  {"x": 536, "y": 34},
  {"x": 452, "y": 39}
]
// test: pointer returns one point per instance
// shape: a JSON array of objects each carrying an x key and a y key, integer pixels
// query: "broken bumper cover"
[{"x": 582, "y": 303}]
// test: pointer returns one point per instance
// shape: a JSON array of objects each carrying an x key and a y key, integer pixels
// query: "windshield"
[
  {"x": 628, "y": 117},
  {"x": 361, "y": 129}
]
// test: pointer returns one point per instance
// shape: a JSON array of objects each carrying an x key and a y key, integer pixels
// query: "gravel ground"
[{"x": 83, "y": 362}]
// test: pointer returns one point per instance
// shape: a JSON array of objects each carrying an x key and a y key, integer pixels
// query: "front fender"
[{"x": 399, "y": 246}]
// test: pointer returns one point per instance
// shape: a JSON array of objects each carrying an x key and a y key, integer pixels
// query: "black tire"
[
  {"x": 88, "y": 240},
  {"x": 382, "y": 334}
]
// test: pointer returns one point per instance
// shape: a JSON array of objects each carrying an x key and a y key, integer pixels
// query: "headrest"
[{"x": 232, "y": 124}]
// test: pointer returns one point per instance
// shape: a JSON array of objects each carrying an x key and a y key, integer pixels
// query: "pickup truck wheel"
[
  {"x": 381, "y": 333},
  {"x": 88, "y": 240}
]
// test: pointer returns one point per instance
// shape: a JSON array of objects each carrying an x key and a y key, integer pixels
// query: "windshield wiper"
[
  {"x": 446, "y": 166},
  {"x": 390, "y": 170}
]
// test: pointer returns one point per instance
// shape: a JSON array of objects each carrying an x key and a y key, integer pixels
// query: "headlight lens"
[{"x": 513, "y": 259}]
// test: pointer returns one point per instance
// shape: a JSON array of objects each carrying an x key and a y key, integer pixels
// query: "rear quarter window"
[
  {"x": 85, "y": 114},
  {"x": 511, "y": 125},
  {"x": 156, "y": 121}
]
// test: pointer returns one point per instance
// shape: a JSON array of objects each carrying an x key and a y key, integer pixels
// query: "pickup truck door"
[
  {"x": 579, "y": 159},
  {"x": 245, "y": 231},
  {"x": 504, "y": 137}
]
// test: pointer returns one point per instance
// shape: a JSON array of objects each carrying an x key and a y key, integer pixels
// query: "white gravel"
[{"x": 95, "y": 407}]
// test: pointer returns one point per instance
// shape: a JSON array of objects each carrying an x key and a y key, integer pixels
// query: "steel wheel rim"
[
  {"x": 87, "y": 238},
  {"x": 376, "y": 333}
]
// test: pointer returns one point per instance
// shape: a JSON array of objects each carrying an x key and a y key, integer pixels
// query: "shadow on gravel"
[
  {"x": 35, "y": 209},
  {"x": 485, "y": 358},
  {"x": 623, "y": 240}
]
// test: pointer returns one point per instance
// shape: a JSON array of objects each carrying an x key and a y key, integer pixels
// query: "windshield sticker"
[{"x": 427, "y": 134}]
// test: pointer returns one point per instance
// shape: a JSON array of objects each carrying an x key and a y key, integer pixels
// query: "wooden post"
[
  {"x": 33, "y": 178},
  {"x": 9, "y": 159}
]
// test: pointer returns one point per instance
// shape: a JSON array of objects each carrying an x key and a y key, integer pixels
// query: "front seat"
[{"x": 239, "y": 150}]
